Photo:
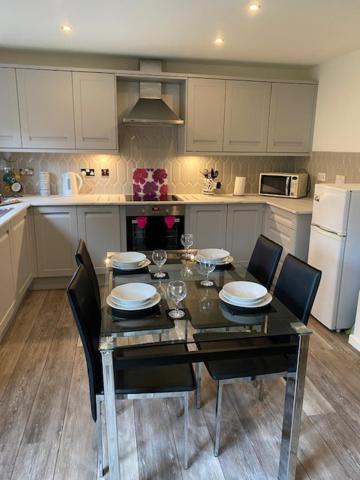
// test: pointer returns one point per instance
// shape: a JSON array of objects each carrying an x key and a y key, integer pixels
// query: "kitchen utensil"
[
  {"x": 151, "y": 303},
  {"x": 244, "y": 291},
  {"x": 71, "y": 183},
  {"x": 213, "y": 253},
  {"x": 133, "y": 294},
  {"x": 159, "y": 257},
  {"x": 261, "y": 303},
  {"x": 176, "y": 291}
]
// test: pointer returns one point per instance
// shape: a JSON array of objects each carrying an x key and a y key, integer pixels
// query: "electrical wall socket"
[
  {"x": 87, "y": 172},
  {"x": 340, "y": 179},
  {"x": 105, "y": 172},
  {"x": 27, "y": 172},
  {"x": 321, "y": 176}
]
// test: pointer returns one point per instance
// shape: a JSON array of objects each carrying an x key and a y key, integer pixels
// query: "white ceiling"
[{"x": 285, "y": 31}]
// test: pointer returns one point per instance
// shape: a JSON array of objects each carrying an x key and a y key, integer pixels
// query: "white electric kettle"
[{"x": 71, "y": 183}]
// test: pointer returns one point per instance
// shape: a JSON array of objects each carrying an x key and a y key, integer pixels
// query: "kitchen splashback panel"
[{"x": 147, "y": 147}]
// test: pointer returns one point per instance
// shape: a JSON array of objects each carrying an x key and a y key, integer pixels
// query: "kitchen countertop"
[{"x": 302, "y": 206}]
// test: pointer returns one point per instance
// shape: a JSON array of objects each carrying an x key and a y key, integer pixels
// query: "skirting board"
[
  {"x": 56, "y": 283},
  {"x": 354, "y": 342}
]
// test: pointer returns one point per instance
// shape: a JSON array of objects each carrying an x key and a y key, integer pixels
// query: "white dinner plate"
[
  {"x": 213, "y": 253},
  {"x": 129, "y": 267},
  {"x": 224, "y": 261},
  {"x": 152, "y": 302},
  {"x": 244, "y": 291},
  {"x": 133, "y": 294},
  {"x": 262, "y": 303},
  {"x": 127, "y": 258}
]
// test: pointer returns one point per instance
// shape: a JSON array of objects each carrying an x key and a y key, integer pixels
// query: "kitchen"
[{"x": 129, "y": 149}]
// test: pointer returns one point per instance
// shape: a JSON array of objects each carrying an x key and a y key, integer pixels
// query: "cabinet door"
[
  {"x": 99, "y": 227},
  {"x": 22, "y": 253},
  {"x": 95, "y": 111},
  {"x": 9, "y": 110},
  {"x": 56, "y": 240},
  {"x": 7, "y": 291},
  {"x": 244, "y": 225},
  {"x": 205, "y": 117},
  {"x": 246, "y": 116},
  {"x": 291, "y": 122},
  {"x": 208, "y": 225},
  {"x": 46, "y": 108}
]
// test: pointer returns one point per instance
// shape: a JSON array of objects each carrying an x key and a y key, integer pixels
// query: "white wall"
[{"x": 337, "y": 123}]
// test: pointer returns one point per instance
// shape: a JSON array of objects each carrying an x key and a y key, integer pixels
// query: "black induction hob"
[{"x": 149, "y": 198}]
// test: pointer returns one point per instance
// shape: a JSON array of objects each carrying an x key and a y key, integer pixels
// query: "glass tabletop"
[{"x": 205, "y": 312}]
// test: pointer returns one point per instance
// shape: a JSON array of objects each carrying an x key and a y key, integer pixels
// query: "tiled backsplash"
[{"x": 150, "y": 147}]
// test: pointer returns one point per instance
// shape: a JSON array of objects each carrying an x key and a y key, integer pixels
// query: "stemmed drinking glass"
[
  {"x": 187, "y": 241},
  {"x": 206, "y": 267},
  {"x": 176, "y": 291},
  {"x": 159, "y": 257}
]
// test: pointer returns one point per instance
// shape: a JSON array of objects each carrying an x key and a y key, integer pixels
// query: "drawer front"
[
  {"x": 282, "y": 217},
  {"x": 281, "y": 234}
]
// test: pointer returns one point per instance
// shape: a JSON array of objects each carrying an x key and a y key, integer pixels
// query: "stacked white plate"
[
  {"x": 133, "y": 296},
  {"x": 245, "y": 294},
  {"x": 129, "y": 260},
  {"x": 218, "y": 256}
]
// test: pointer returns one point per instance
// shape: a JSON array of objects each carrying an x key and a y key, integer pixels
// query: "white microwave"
[{"x": 292, "y": 185}]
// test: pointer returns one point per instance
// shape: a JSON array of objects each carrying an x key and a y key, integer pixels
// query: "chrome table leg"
[
  {"x": 218, "y": 418},
  {"x": 99, "y": 442},
  {"x": 198, "y": 385},
  {"x": 186, "y": 430},
  {"x": 292, "y": 413},
  {"x": 110, "y": 414}
]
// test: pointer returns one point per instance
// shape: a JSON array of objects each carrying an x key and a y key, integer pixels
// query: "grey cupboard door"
[
  {"x": 99, "y": 227},
  {"x": 244, "y": 224},
  {"x": 95, "y": 111},
  {"x": 10, "y": 136},
  {"x": 46, "y": 108},
  {"x": 22, "y": 252},
  {"x": 205, "y": 115},
  {"x": 208, "y": 225},
  {"x": 246, "y": 116},
  {"x": 56, "y": 238},
  {"x": 7, "y": 290},
  {"x": 292, "y": 110}
]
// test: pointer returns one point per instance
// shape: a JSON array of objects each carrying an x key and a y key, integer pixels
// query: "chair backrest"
[
  {"x": 264, "y": 260},
  {"x": 87, "y": 316},
  {"x": 83, "y": 258},
  {"x": 297, "y": 286}
]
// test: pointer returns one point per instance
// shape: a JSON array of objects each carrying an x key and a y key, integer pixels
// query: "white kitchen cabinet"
[
  {"x": 56, "y": 238},
  {"x": 208, "y": 225},
  {"x": 10, "y": 136},
  {"x": 22, "y": 252},
  {"x": 244, "y": 224},
  {"x": 7, "y": 289},
  {"x": 292, "y": 110},
  {"x": 246, "y": 116},
  {"x": 46, "y": 108},
  {"x": 99, "y": 227},
  {"x": 205, "y": 115},
  {"x": 95, "y": 111}
]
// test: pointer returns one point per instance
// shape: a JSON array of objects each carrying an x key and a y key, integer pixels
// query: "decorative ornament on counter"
[
  {"x": 150, "y": 183},
  {"x": 209, "y": 182},
  {"x": 12, "y": 184}
]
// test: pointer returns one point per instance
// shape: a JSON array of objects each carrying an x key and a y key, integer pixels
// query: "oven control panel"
[{"x": 154, "y": 210}]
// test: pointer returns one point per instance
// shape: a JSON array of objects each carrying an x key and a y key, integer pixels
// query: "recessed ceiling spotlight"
[
  {"x": 66, "y": 28},
  {"x": 219, "y": 41},
  {"x": 254, "y": 7}
]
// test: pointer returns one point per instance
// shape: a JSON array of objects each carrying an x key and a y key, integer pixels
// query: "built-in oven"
[{"x": 154, "y": 226}]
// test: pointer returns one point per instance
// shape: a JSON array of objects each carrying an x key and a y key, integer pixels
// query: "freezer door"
[
  {"x": 326, "y": 253},
  {"x": 331, "y": 208}
]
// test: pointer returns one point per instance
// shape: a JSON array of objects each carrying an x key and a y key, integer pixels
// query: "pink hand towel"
[
  {"x": 141, "y": 222},
  {"x": 170, "y": 221}
]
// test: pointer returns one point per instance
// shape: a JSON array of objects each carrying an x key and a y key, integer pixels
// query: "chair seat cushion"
[
  {"x": 250, "y": 366},
  {"x": 159, "y": 379}
]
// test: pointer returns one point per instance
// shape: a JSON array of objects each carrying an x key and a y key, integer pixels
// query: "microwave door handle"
[{"x": 287, "y": 187}]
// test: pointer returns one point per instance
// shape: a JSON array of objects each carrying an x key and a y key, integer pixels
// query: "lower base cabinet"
[
  {"x": 7, "y": 288},
  {"x": 100, "y": 228},
  {"x": 22, "y": 252},
  {"x": 208, "y": 225}
]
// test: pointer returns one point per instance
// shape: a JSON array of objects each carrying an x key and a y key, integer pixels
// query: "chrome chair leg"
[
  {"x": 179, "y": 406},
  {"x": 186, "y": 429},
  {"x": 261, "y": 390},
  {"x": 218, "y": 418},
  {"x": 198, "y": 385},
  {"x": 99, "y": 442}
]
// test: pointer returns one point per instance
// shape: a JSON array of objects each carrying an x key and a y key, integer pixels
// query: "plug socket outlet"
[{"x": 87, "y": 172}]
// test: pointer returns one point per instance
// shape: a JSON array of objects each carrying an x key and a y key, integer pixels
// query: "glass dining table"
[{"x": 207, "y": 319}]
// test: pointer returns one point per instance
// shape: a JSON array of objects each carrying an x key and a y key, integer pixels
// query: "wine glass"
[
  {"x": 176, "y": 291},
  {"x": 206, "y": 267},
  {"x": 159, "y": 257},
  {"x": 187, "y": 240}
]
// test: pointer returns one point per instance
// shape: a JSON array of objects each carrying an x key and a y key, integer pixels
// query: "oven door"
[
  {"x": 154, "y": 232},
  {"x": 278, "y": 185}
]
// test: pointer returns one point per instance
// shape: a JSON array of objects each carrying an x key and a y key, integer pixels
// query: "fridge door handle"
[{"x": 326, "y": 233}]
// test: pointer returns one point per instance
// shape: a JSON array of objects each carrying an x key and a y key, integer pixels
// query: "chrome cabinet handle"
[
  {"x": 96, "y": 139},
  {"x": 47, "y": 138}
]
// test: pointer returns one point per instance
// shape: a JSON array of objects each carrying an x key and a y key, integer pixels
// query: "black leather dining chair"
[
  {"x": 82, "y": 257},
  {"x": 163, "y": 382},
  {"x": 296, "y": 288},
  {"x": 264, "y": 260}
]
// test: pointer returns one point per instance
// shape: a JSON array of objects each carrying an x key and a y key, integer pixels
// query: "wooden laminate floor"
[{"x": 46, "y": 431}]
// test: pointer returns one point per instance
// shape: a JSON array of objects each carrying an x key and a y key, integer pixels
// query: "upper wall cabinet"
[
  {"x": 205, "y": 115},
  {"x": 46, "y": 108},
  {"x": 95, "y": 111},
  {"x": 9, "y": 110},
  {"x": 246, "y": 116},
  {"x": 291, "y": 117}
]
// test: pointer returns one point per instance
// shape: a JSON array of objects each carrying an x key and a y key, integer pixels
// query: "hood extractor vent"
[{"x": 151, "y": 109}]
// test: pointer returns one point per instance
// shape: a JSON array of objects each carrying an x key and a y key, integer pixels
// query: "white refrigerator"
[{"x": 335, "y": 250}]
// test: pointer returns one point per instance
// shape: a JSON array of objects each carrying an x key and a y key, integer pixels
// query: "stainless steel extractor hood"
[{"x": 151, "y": 109}]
